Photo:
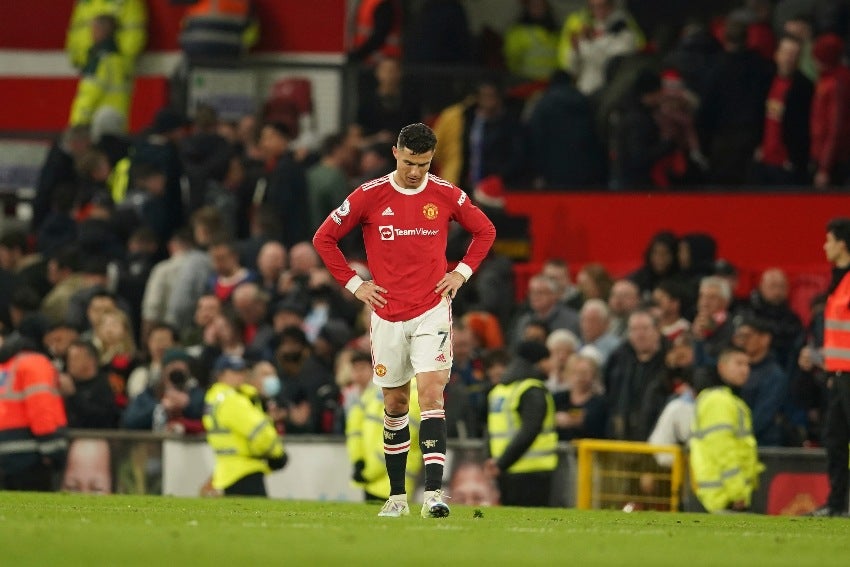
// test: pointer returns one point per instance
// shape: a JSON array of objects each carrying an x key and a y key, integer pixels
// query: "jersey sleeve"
[
  {"x": 326, "y": 240},
  {"x": 483, "y": 233}
]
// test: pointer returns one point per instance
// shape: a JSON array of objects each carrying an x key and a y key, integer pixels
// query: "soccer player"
[{"x": 405, "y": 219}]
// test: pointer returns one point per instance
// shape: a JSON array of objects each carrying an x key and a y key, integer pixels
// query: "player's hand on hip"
[
  {"x": 371, "y": 294},
  {"x": 449, "y": 284}
]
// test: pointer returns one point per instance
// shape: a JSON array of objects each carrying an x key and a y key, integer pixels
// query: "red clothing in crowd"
[
  {"x": 830, "y": 123},
  {"x": 405, "y": 232},
  {"x": 774, "y": 151}
]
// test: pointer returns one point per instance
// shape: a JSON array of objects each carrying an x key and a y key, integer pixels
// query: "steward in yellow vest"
[
  {"x": 521, "y": 430},
  {"x": 364, "y": 438},
  {"x": 724, "y": 456},
  {"x": 245, "y": 443},
  {"x": 105, "y": 81},
  {"x": 131, "y": 35}
]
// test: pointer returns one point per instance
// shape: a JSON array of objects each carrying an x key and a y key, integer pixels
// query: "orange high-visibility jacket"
[
  {"x": 32, "y": 413},
  {"x": 836, "y": 335}
]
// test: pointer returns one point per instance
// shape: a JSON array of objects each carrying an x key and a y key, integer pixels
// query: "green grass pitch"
[{"x": 64, "y": 529}]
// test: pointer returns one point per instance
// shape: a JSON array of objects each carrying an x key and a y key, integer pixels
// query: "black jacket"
[{"x": 795, "y": 121}]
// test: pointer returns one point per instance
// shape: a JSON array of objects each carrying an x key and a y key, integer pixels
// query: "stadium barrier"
[
  {"x": 137, "y": 462},
  {"x": 629, "y": 476}
]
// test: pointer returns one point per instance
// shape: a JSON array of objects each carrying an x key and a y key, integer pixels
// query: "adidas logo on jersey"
[
  {"x": 441, "y": 358},
  {"x": 388, "y": 212}
]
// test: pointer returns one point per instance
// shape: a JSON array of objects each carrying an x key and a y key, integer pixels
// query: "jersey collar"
[{"x": 405, "y": 191}]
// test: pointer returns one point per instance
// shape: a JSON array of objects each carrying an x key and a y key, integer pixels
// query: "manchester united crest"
[
  {"x": 430, "y": 211},
  {"x": 380, "y": 370}
]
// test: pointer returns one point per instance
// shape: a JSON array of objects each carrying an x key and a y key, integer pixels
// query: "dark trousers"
[
  {"x": 251, "y": 485},
  {"x": 836, "y": 438},
  {"x": 525, "y": 489},
  {"x": 37, "y": 479}
]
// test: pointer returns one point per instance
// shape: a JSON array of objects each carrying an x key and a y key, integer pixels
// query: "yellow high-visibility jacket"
[
  {"x": 574, "y": 26},
  {"x": 364, "y": 439},
  {"x": 105, "y": 82},
  {"x": 724, "y": 459},
  {"x": 131, "y": 36},
  {"x": 240, "y": 433},
  {"x": 504, "y": 422},
  {"x": 531, "y": 51}
]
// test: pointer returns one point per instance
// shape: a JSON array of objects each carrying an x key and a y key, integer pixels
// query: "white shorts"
[{"x": 403, "y": 349}]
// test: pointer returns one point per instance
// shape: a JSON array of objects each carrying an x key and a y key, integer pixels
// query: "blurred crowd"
[{"x": 150, "y": 256}]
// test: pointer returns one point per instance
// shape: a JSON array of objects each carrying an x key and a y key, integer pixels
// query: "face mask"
[{"x": 271, "y": 386}]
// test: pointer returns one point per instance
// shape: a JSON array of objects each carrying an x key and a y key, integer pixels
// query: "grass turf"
[{"x": 65, "y": 529}]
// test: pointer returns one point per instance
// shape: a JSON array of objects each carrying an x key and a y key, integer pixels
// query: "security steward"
[
  {"x": 33, "y": 425},
  {"x": 364, "y": 435},
  {"x": 521, "y": 430},
  {"x": 243, "y": 438},
  {"x": 724, "y": 457},
  {"x": 836, "y": 355}
]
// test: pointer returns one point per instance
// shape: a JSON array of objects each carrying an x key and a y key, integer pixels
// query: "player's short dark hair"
[
  {"x": 840, "y": 229},
  {"x": 417, "y": 138}
]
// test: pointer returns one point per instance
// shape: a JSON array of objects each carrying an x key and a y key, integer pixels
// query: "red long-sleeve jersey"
[{"x": 405, "y": 232}]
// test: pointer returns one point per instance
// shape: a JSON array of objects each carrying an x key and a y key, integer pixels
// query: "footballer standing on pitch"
[{"x": 405, "y": 218}]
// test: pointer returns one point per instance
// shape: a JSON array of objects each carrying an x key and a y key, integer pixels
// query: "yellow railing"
[{"x": 628, "y": 475}]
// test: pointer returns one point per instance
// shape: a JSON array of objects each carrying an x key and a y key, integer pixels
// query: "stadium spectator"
[
  {"x": 388, "y": 108},
  {"x": 562, "y": 344},
  {"x": 161, "y": 279},
  {"x": 668, "y": 299},
  {"x": 783, "y": 155},
  {"x": 89, "y": 399},
  {"x": 592, "y": 37},
  {"x": 285, "y": 188},
  {"x": 766, "y": 388},
  {"x": 544, "y": 308},
  {"x": 596, "y": 329},
  {"x": 712, "y": 327},
  {"x": 245, "y": 442},
  {"x": 195, "y": 269},
  {"x": 251, "y": 304},
  {"x": 697, "y": 255},
  {"x": 113, "y": 338},
  {"x": 634, "y": 385},
  {"x": 830, "y": 125},
  {"x": 173, "y": 404},
  {"x": 57, "y": 338},
  {"x": 160, "y": 338},
  {"x": 63, "y": 272},
  {"x": 466, "y": 392},
  {"x": 558, "y": 271},
  {"x": 227, "y": 273},
  {"x": 623, "y": 300},
  {"x": 733, "y": 107},
  {"x": 58, "y": 170},
  {"x": 769, "y": 302},
  {"x": 327, "y": 183},
  {"x": 206, "y": 157},
  {"x": 207, "y": 308},
  {"x": 291, "y": 355},
  {"x": 440, "y": 34},
  {"x": 563, "y": 148},
  {"x": 29, "y": 269},
  {"x": 800, "y": 26},
  {"x": 660, "y": 262},
  {"x": 581, "y": 411},
  {"x": 593, "y": 282},
  {"x": 521, "y": 431},
  {"x": 723, "y": 458}
]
